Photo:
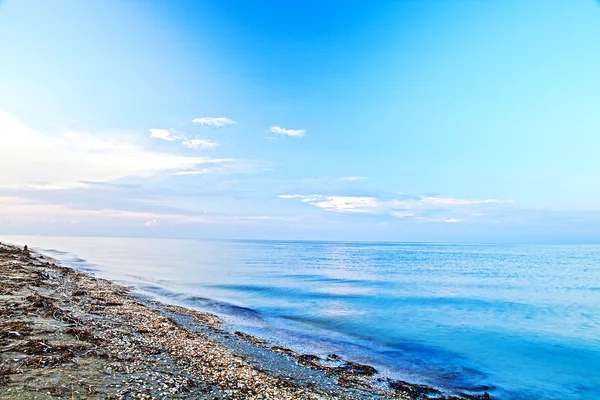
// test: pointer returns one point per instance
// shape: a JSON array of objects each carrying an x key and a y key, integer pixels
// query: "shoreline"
[{"x": 65, "y": 333}]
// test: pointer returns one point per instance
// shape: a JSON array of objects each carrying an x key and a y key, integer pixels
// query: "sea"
[{"x": 518, "y": 321}]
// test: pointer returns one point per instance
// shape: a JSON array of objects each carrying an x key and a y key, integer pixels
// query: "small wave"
[
  {"x": 69, "y": 259},
  {"x": 283, "y": 292},
  {"x": 326, "y": 279},
  {"x": 226, "y": 308},
  {"x": 54, "y": 251},
  {"x": 215, "y": 306},
  {"x": 87, "y": 267}
]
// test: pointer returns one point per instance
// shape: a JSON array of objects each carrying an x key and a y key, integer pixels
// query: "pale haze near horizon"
[{"x": 393, "y": 120}]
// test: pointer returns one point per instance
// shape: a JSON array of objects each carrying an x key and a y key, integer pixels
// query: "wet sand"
[{"x": 67, "y": 334}]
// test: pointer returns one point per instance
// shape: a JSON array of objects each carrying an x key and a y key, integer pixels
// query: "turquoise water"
[{"x": 519, "y": 321}]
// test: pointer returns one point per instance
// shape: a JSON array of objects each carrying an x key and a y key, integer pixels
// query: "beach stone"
[{"x": 360, "y": 369}]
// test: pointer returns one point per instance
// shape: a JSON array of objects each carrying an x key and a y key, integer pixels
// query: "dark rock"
[
  {"x": 284, "y": 350},
  {"x": 308, "y": 359},
  {"x": 415, "y": 390},
  {"x": 4, "y": 375},
  {"x": 484, "y": 396},
  {"x": 250, "y": 338},
  {"x": 39, "y": 301},
  {"x": 356, "y": 368}
]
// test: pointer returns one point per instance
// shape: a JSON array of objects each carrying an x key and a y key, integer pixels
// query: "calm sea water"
[{"x": 523, "y": 320}]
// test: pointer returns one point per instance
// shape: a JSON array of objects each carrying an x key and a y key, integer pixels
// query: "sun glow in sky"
[{"x": 344, "y": 120}]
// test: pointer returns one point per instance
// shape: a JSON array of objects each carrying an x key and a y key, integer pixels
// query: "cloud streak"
[
  {"x": 342, "y": 179},
  {"x": 164, "y": 134},
  {"x": 288, "y": 132},
  {"x": 186, "y": 140},
  {"x": 196, "y": 144},
  {"x": 423, "y": 208},
  {"x": 352, "y": 178},
  {"x": 21, "y": 209},
  {"x": 215, "y": 122},
  {"x": 43, "y": 161}
]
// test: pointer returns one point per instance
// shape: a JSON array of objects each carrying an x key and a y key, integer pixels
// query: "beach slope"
[{"x": 67, "y": 334}]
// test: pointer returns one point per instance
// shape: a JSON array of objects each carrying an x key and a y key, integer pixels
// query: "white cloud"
[
  {"x": 165, "y": 134},
  {"x": 199, "y": 144},
  {"x": 352, "y": 178},
  {"x": 348, "y": 204},
  {"x": 424, "y": 208},
  {"x": 288, "y": 132},
  {"x": 32, "y": 159},
  {"x": 451, "y": 201},
  {"x": 401, "y": 214},
  {"x": 305, "y": 199},
  {"x": 188, "y": 141},
  {"x": 217, "y": 122},
  {"x": 151, "y": 223},
  {"x": 342, "y": 179}
]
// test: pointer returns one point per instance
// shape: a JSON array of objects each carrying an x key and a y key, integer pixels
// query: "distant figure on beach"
[{"x": 26, "y": 250}]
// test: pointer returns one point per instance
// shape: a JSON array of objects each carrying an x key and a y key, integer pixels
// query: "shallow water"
[{"x": 523, "y": 320}]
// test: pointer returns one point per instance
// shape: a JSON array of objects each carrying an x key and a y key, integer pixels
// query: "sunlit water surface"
[{"x": 521, "y": 320}]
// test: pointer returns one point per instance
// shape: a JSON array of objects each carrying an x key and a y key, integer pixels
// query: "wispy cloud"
[
  {"x": 164, "y": 134},
  {"x": 342, "y": 179},
  {"x": 20, "y": 209},
  {"x": 44, "y": 161},
  {"x": 451, "y": 201},
  {"x": 424, "y": 208},
  {"x": 212, "y": 121},
  {"x": 288, "y": 132},
  {"x": 199, "y": 144},
  {"x": 452, "y": 220},
  {"x": 291, "y": 196},
  {"x": 349, "y": 204},
  {"x": 186, "y": 140},
  {"x": 352, "y": 178}
]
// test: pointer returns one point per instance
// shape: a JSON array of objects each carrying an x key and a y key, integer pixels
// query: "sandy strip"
[{"x": 67, "y": 334}]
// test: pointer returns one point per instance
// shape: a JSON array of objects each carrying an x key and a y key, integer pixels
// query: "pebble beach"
[{"x": 67, "y": 334}]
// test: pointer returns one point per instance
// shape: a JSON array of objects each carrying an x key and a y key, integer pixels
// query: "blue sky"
[{"x": 354, "y": 120}]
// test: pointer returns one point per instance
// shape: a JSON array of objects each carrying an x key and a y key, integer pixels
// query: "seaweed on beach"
[
  {"x": 15, "y": 329},
  {"x": 418, "y": 391},
  {"x": 84, "y": 335},
  {"x": 250, "y": 338},
  {"x": 4, "y": 375},
  {"x": 46, "y": 306},
  {"x": 39, "y": 301},
  {"x": 357, "y": 369},
  {"x": 41, "y": 361},
  {"x": 38, "y": 347}
]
